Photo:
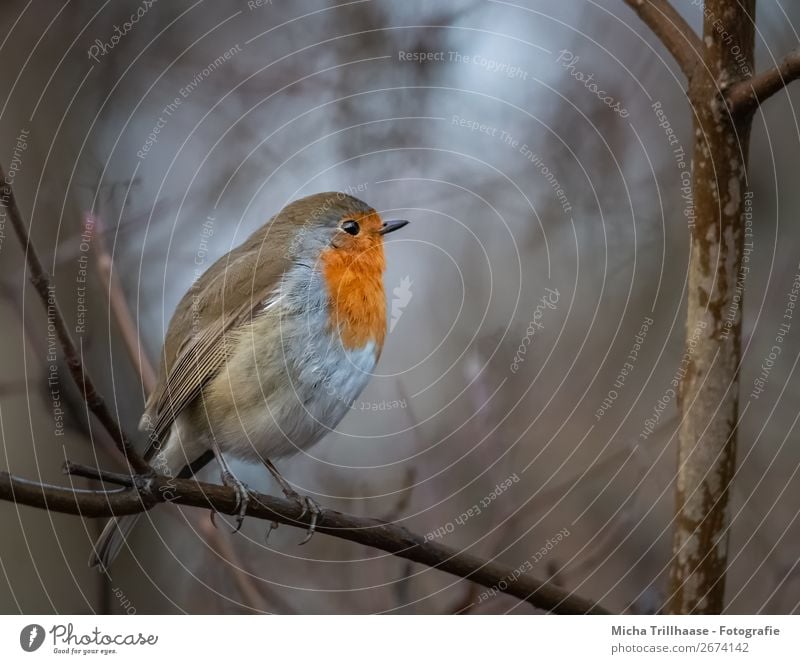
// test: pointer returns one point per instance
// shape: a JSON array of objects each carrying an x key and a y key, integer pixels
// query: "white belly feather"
[{"x": 308, "y": 379}]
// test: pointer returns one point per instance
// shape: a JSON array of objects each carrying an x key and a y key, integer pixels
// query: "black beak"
[{"x": 391, "y": 226}]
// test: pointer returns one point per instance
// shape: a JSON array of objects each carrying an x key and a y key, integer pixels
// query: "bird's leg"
[
  {"x": 230, "y": 480},
  {"x": 306, "y": 502}
]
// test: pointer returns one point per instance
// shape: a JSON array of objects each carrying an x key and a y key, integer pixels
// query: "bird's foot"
[
  {"x": 242, "y": 496},
  {"x": 309, "y": 506}
]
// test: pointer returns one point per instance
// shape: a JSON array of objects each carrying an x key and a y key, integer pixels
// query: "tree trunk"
[{"x": 708, "y": 397}]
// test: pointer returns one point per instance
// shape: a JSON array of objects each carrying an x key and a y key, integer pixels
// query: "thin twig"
[
  {"x": 118, "y": 306},
  {"x": 222, "y": 547},
  {"x": 153, "y": 489},
  {"x": 104, "y": 476},
  {"x": 27, "y": 326},
  {"x": 672, "y": 30},
  {"x": 745, "y": 96},
  {"x": 42, "y": 285}
]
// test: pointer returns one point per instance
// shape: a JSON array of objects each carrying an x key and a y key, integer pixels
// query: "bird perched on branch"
[{"x": 269, "y": 348}]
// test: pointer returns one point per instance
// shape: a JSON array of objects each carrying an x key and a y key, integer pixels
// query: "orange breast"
[{"x": 355, "y": 285}]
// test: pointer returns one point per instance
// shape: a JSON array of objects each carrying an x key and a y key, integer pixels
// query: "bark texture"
[{"x": 708, "y": 397}]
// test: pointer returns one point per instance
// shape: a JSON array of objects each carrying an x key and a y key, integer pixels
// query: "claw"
[
  {"x": 309, "y": 505},
  {"x": 304, "y": 504},
  {"x": 272, "y": 526},
  {"x": 242, "y": 497},
  {"x": 243, "y": 501},
  {"x": 212, "y": 517}
]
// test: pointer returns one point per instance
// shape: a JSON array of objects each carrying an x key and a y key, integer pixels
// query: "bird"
[{"x": 268, "y": 349}]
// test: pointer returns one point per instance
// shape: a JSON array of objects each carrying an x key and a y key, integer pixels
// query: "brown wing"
[
  {"x": 197, "y": 363},
  {"x": 222, "y": 299}
]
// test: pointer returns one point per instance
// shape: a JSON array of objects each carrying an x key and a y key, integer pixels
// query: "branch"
[
  {"x": 119, "y": 307},
  {"x": 141, "y": 492},
  {"x": 745, "y": 96},
  {"x": 674, "y": 32},
  {"x": 42, "y": 285}
]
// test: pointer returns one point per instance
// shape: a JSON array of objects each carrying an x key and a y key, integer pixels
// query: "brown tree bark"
[
  {"x": 709, "y": 392},
  {"x": 723, "y": 94}
]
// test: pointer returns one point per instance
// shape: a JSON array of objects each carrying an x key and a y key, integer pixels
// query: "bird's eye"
[{"x": 350, "y": 226}]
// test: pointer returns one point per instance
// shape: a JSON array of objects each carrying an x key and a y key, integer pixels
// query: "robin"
[{"x": 267, "y": 350}]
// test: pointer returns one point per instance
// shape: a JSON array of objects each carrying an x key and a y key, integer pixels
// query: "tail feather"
[
  {"x": 116, "y": 532},
  {"x": 110, "y": 542}
]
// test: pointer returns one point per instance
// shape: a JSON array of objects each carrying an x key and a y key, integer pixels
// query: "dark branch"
[
  {"x": 745, "y": 96},
  {"x": 140, "y": 493},
  {"x": 676, "y": 34},
  {"x": 41, "y": 282},
  {"x": 106, "y": 476}
]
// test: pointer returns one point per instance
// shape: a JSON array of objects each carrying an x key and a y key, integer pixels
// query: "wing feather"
[
  {"x": 195, "y": 366},
  {"x": 225, "y": 297}
]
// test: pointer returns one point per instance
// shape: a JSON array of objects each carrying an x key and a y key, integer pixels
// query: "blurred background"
[{"x": 538, "y": 147}]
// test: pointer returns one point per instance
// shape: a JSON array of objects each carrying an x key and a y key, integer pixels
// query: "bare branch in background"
[
  {"x": 118, "y": 306},
  {"x": 745, "y": 96},
  {"x": 220, "y": 543},
  {"x": 46, "y": 291},
  {"x": 675, "y": 33}
]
